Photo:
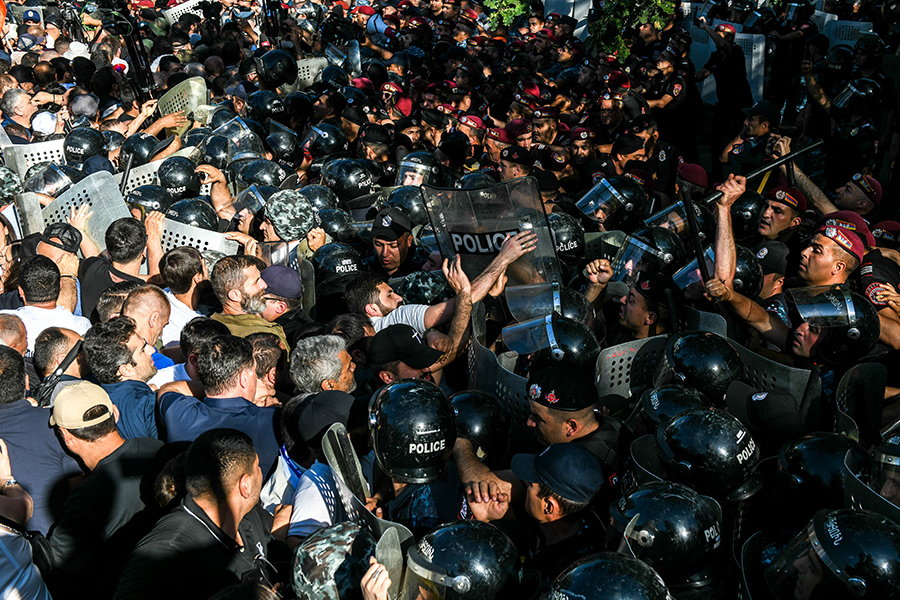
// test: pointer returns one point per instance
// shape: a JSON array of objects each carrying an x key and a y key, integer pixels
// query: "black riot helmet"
[
  {"x": 53, "y": 180},
  {"x": 609, "y": 575},
  {"x": 568, "y": 237},
  {"x": 413, "y": 429},
  {"x": 748, "y": 274},
  {"x": 299, "y": 107},
  {"x": 872, "y": 46},
  {"x": 660, "y": 404},
  {"x": 214, "y": 152},
  {"x": 839, "y": 63},
  {"x": 463, "y": 560},
  {"x": 677, "y": 531},
  {"x": 852, "y": 554},
  {"x": 554, "y": 340},
  {"x": 760, "y": 20},
  {"x": 114, "y": 140},
  {"x": 885, "y": 479},
  {"x": 220, "y": 116},
  {"x": 848, "y": 323},
  {"x": 322, "y": 141},
  {"x": 745, "y": 214},
  {"x": 799, "y": 10},
  {"x": 178, "y": 177},
  {"x": 276, "y": 68},
  {"x": 674, "y": 218},
  {"x": 285, "y": 148},
  {"x": 483, "y": 420},
  {"x": 616, "y": 203},
  {"x": 859, "y": 96},
  {"x": 195, "y": 137},
  {"x": 711, "y": 451},
  {"x": 194, "y": 212},
  {"x": 701, "y": 360},
  {"x": 473, "y": 181},
  {"x": 419, "y": 168},
  {"x": 265, "y": 104},
  {"x": 409, "y": 199},
  {"x": 338, "y": 224},
  {"x": 349, "y": 178},
  {"x": 140, "y": 146},
  {"x": 148, "y": 198},
  {"x": 672, "y": 254},
  {"x": 811, "y": 470},
  {"x": 83, "y": 143},
  {"x": 262, "y": 172},
  {"x": 333, "y": 78},
  {"x": 334, "y": 265},
  {"x": 320, "y": 197}
]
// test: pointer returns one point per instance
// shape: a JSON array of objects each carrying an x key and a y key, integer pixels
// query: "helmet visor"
[
  {"x": 826, "y": 306},
  {"x": 528, "y": 302},
  {"x": 791, "y": 11},
  {"x": 601, "y": 202},
  {"x": 245, "y": 145},
  {"x": 250, "y": 199},
  {"x": 425, "y": 581},
  {"x": 847, "y": 95},
  {"x": 413, "y": 173},
  {"x": 672, "y": 218},
  {"x": 886, "y": 475},
  {"x": 634, "y": 256},
  {"x": 531, "y": 336},
  {"x": 51, "y": 181},
  {"x": 690, "y": 276},
  {"x": 801, "y": 570}
]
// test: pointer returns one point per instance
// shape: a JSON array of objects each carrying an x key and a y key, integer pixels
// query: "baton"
[
  {"x": 714, "y": 197},
  {"x": 127, "y": 172}
]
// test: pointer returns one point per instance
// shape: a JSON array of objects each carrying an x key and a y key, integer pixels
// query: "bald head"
[
  {"x": 150, "y": 309},
  {"x": 12, "y": 333}
]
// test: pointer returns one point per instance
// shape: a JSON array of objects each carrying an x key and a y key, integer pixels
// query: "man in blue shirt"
[{"x": 228, "y": 374}]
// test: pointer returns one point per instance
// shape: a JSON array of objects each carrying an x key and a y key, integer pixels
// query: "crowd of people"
[{"x": 385, "y": 364}]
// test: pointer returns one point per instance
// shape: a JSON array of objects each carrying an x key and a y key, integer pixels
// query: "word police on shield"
[{"x": 479, "y": 243}]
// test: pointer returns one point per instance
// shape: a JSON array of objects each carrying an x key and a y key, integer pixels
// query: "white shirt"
[
  {"x": 317, "y": 502},
  {"x": 37, "y": 320},
  {"x": 179, "y": 316},
  {"x": 408, "y": 314},
  {"x": 169, "y": 374}
]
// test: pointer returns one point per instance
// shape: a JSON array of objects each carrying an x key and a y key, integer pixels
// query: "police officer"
[
  {"x": 395, "y": 253},
  {"x": 647, "y": 308},
  {"x": 374, "y": 143},
  {"x": 663, "y": 159},
  {"x": 748, "y": 150}
]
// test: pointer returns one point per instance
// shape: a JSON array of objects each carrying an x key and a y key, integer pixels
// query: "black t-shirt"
[
  {"x": 875, "y": 273},
  {"x": 422, "y": 507},
  {"x": 728, "y": 67},
  {"x": 96, "y": 276}
]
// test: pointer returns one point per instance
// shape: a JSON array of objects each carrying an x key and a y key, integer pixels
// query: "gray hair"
[
  {"x": 10, "y": 101},
  {"x": 195, "y": 69},
  {"x": 315, "y": 359}
]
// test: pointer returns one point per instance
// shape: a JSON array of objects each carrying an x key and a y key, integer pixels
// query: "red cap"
[
  {"x": 846, "y": 239},
  {"x": 694, "y": 174},
  {"x": 546, "y": 112},
  {"x": 447, "y": 109},
  {"x": 869, "y": 186},
  {"x": 887, "y": 231},
  {"x": 393, "y": 20},
  {"x": 852, "y": 221},
  {"x": 391, "y": 87},
  {"x": 366, "y": 10},
  {"x": 726, "y": 27},
  {"x": 789, "y": 196},
  {"x": 617, "y": 80},
  {"x": 642, "y": 176}
]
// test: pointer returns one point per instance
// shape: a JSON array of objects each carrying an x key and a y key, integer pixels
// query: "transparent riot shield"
[
  {"x": 688, "y": 278},
  {"x": 535, "y": 300},
  {"x": 634, "y": 256},
  {"x": 474, "y": 223}
]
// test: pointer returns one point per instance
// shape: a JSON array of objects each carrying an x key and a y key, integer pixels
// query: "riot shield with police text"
[{"x": 474, "y": 223}]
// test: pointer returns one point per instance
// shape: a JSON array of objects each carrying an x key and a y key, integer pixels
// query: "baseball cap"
[
  {"x": 772, "y": 256},
  {"x": 390, "y": 224},
  {"x": 626, "y": 144},
  {"x": 789, "y": 196},
  {"x": 31, "y": 15},
  {"x": 322, "y": 410},
  {"x": 69, "y": 237},
  {"x": 563, "y": 388},
  {"x": 73, "y": 401},
  {"x": 402, "y": 342},
  {"x": 869, "y": 186},
  {"x": 517, "y": 155},
  {"x": 846, "y": 239},
  {"x": 282, "y": 281},
  {"x": 765, "y": 413},
  {"x": 570, "y": 470},
  {"x": 653, "y": 287},
  {"x": 766, "y": 109}
]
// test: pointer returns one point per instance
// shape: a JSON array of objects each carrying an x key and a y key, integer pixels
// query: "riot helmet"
[
  {"x": 860, "y": 96},
  {"x": 214, "y": 151},
  {"x": 745, "y": 214},
  {"x": 536, "y": 300},
  {"x": 291, "y": 215},
  {"x": 53, "y": 180},
  {"x": 349, "y": 178},
  {"x": 609, "y": 575},
  {"x": 672, "y": 254},
  {"x": 253, "y": 198},
  {"x": 331, "y": 562},
  {"x": 263, "y": 105},
  {"x": 568, "y": 237},
  {"x": 195, "y": 137},
  {"x": 665, "y": 402},
  {"x": 839, "y": 63},
  {"x": 177, "y": 176},
  {"x": 674, "y": 218},
  {"x": 484, "y": 421},
  {"x": 748, "y": 274},
  {"x": 711, "y": 451},
  {"x": 419, "y": 168},
  {"x": 276, "y": 68},
  {"x": 847, "y": 324},
  {"x": 472, "y": 181},
  {"x": 463, "y": 560},
  {"x": 872, "y": 46},
  {"x": 670, "y": 527},
  {"x": 322, "y": 141},
  {"x": 114, "y": 140},
  {"x": 147, "y": 198},
  {"x": 409, "y": 199},
  {"x": 334, "y": 265},
  {"x": 284, "y": 147},
  {"x": 885, "y": 479},
  {"x": 701, "y": 360},
  {"x": 338, "y": 224},
  {"x": 798, "y": 10},
  {"x": 554, "y": 340},
  {"x": 333, "y": 78},
  {"x": 413, "y": 429},
  {"x": 219, "y": 117},
  {"x": 83, "y": 143},
  {"x": 615, "y": 203},
  {"x": 840, "y": 554},
  {"x": 194, "y": 212},
  {"x": 262, "y": 172},
  {"x": 354, "y": 96},
  {"x": 320, "y": 197}
]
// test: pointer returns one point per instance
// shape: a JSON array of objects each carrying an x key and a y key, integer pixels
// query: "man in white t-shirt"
[
  {"x": 39, "y": 282},
  {"x": 183, "y": 270}
]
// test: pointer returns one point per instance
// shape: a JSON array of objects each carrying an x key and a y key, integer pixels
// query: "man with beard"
[{"x": 238, "y": 284}]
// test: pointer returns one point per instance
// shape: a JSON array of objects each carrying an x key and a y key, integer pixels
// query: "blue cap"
[
  {"x": 570, "y": 470},
  {"x": 95, "y": 164},
  {"x": 31, "y": 15},
  {"x": 282, "y": 281}
]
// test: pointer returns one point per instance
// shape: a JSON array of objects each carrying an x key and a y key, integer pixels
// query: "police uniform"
[
  {"x": 749, "y": 154},
  {"x": 853, "y": 148},
  {"x": 664, "y": 165},
  {"x": 876, "y": 273},
  {"x": 672, "y": 118}
]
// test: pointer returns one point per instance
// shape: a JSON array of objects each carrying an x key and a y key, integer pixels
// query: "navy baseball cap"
[
  {"x": 563, "y": 388},
  {"x": 402, "y": 342},
  {"x": 282, "y": 281},
  {"x": 570, "y": 470}
]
